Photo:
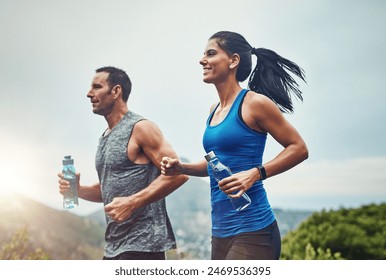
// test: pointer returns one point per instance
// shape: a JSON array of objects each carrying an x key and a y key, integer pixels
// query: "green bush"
[
  {"x": 20, "y": 249},
  {"x": 352, "y": 234}
]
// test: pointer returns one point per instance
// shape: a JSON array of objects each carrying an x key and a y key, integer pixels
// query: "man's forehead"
[{"x": 100, "y": 77}]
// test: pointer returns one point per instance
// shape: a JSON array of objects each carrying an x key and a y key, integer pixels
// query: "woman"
[{"x": 236, "y": 131}]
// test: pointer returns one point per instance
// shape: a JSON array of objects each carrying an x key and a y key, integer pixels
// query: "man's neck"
[{"x": 115, "y": 117}]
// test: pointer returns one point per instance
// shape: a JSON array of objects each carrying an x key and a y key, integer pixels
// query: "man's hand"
[
  {"x": 64, "y": 185},
  {"x": 120, "y": 209}
]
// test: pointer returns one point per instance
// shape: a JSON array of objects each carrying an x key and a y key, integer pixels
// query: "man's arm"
[
  {"x": 147, "y": 144},
  {"x": 90, "y": 193}
]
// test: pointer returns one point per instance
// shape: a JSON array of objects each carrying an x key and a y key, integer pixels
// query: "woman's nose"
[{"x": 202, "y": 61}]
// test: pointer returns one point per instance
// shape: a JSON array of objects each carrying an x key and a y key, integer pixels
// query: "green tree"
[
  {"x": 353, "y": 234},
  {"x": 20, "y": 249}
]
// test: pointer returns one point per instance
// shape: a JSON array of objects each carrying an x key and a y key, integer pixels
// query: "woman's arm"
[
  {"x": 261, "y": 114},
  {"x": 268, "y": 118},
  {"x": 172, "y": 167}
]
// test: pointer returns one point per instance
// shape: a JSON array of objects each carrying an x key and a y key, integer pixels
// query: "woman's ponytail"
[{"x": 270, "y": 77}]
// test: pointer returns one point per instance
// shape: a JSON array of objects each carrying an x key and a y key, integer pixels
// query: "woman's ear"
[{"x": 234, "y": 61}]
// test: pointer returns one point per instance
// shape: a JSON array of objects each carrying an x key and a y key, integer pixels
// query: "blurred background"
[{"x": 50, "y": 50}]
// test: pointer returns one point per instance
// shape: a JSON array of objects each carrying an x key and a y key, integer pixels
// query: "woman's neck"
[{"x": 227, "y": 92}]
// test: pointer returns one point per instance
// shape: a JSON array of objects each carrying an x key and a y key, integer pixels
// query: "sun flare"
[{"x": 15, "y": 174}]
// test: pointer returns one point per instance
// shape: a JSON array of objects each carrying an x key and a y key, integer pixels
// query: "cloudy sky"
[{"x": 50, "y": 49}]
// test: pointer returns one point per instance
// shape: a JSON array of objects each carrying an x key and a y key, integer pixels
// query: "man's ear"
[
  {"x": 117, "y": 91},
  {"x": 234, "y": 61}
]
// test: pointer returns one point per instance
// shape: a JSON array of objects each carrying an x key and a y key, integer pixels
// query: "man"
[{"x": 128, "y": 165}]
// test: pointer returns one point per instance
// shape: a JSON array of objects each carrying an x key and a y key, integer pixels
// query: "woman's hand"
[
  {"x": 171, "y": 166},
  {"x": 239, "y": 183}
]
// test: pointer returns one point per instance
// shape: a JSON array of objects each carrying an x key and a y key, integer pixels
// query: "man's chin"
[{"x": 96, "y": 111}]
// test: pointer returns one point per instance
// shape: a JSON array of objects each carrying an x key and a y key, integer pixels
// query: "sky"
[{"x": 50, "y": 49}]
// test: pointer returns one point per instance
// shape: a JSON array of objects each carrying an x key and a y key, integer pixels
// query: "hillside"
[{"x": 59, "y": 233}]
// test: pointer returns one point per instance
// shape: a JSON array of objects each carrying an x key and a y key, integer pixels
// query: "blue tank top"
[{"x": 241, "y": 148}]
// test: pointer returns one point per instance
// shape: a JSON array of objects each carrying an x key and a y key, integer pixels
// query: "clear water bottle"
[
  {"x": 221, "y": 171},
  {"x": 70, "y": 198}
]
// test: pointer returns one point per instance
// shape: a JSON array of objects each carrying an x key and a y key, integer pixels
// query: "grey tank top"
[{"x": 149, "y": 228}]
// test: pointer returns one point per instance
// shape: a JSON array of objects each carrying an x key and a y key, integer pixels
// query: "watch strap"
[{"x": 263, "y": 174}]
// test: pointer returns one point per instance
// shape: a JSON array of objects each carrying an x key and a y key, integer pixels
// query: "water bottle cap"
[
  {"x": 68, "y": 160},
  {"x": 210, "y": 155}
]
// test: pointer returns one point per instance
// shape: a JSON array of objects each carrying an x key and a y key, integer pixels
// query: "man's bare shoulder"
[
  {"x": 146, "y": 125},
  {"x": 146, "y": 132}
]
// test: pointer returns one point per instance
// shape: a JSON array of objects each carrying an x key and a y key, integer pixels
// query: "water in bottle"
[
  {"x": 70, "y": 198},
  {"x": 221, "y": 171}
]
